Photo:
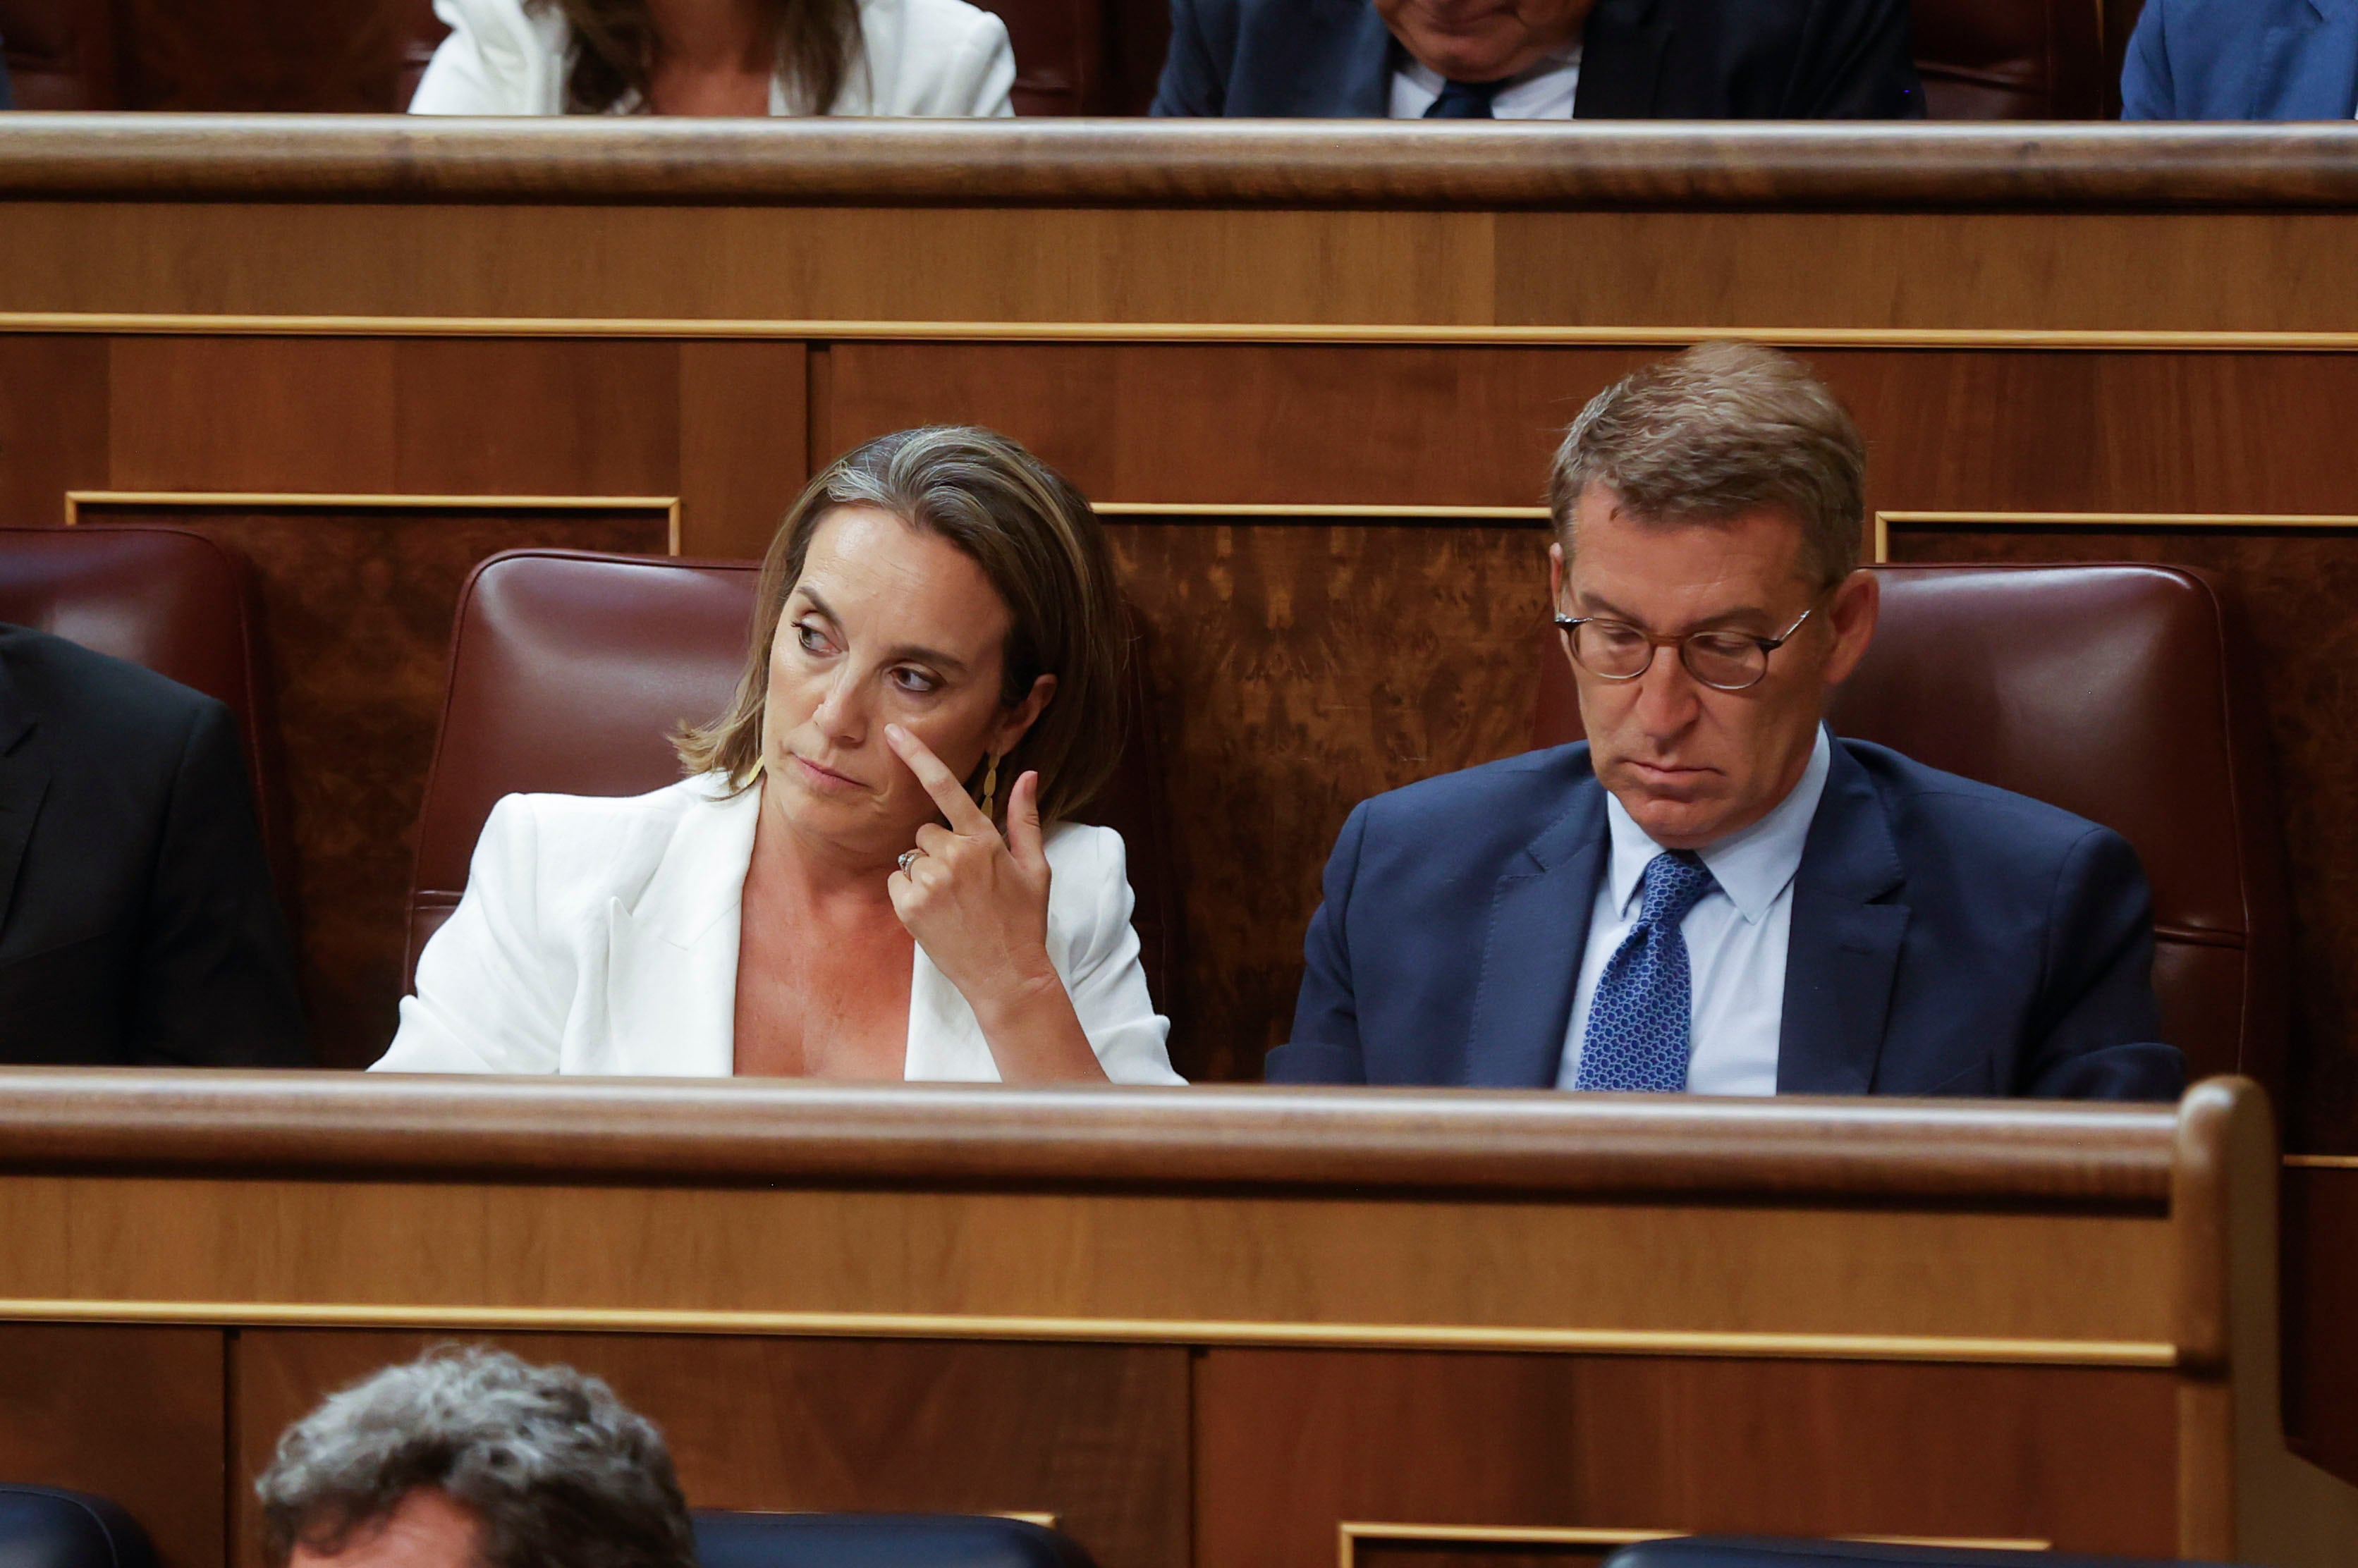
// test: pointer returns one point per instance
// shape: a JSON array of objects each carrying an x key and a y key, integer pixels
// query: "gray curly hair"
[{"x": 562, "y": 1473}]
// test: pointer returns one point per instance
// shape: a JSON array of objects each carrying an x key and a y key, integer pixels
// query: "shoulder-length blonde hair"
[
  {"x": 1038, "y": 541},
  {"x": 615, "y": 49}
]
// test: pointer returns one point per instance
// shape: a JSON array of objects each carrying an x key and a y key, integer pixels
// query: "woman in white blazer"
[
  {"x": 941, "y": 57},
  {"x": 866, "y": 873}
]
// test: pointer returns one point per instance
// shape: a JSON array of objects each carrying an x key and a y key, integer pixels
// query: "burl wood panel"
[
  {"x": 1297, "y": 670},
  {"x": 2298, "y": 585},
  {"x": 134, "y": 1414},
  {"x": 1095, "y": 1434},
  {"x": 1379, "y": 1552},
  {"x": 2320, "y": 1341},
  {"x": 1289, "y": 1444},
  {"x": 356, "y": 613}
]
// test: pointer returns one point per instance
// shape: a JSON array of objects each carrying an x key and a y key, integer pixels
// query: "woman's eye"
[
  {"x": 917, "y": 683},
  {"x": 812, "y": 639}
]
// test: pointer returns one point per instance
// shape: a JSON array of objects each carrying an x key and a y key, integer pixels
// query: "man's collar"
[{"x": 1752, "y": 866}]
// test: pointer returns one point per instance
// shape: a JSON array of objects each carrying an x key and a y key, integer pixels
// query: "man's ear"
[
  {"x": 1851, "y": 611},
  {"x": 1555, "y": 577}
]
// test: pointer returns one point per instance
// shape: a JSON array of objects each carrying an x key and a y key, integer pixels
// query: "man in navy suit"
[
  {"x": 1712, "y": 893},
  {"x": 1537, "y": 59},
  {"x": 2243, "y": 59}
]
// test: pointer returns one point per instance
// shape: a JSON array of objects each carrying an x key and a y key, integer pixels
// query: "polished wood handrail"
[
  {"x": 1361, "y": 1141},
  {"x": 1486, "y": 165}
]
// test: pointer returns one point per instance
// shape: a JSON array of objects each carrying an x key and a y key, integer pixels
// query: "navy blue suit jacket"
[
  {"x": 2243, "y": 59},
  {"x": 1641, "y": 60},
  {"x": 1948, "y": 938}
]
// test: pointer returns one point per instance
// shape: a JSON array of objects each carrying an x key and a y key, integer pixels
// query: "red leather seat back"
[
  {"x": 176, "y": 601},
  {"x": 61, "y": 54},
  {"x": 2013, "y": 60},
  {"x": 569, "y": 673},
  {"x": 2116, "y": 692},
  {"x": 1059, "y": 54}
]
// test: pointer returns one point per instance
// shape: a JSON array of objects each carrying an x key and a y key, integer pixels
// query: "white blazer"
[
  {"x": 600, "y": 935},
  {"x": 940, "y": 58}
]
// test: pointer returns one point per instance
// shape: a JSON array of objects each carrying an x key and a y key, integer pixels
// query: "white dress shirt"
[
  {"x": 1545, "y": 92},
  {"x": 600, "y": 935},
  {"x": 1736, "y": 937}
]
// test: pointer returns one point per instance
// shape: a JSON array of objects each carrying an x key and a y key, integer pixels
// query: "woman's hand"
[{"x": 977, "y": 904}]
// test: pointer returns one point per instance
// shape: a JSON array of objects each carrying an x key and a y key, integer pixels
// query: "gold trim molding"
[
  {"x": 2322, "y": 1162},
  {"x": 1455, "y": 334},
  {"x": 274, "y": 500},
  {"x": 1886, "y": 521},
  {"x": 1349, "y": 1534},
  {"x": 936, "y": 1325}
]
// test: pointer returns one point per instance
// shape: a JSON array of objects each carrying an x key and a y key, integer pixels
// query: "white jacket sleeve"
[
  {"x": 492, "y": 989},
  {"x": 985, "y": 75},
  {"x": 1104, "y": 978},
  {"x": 495, "y": 61}
]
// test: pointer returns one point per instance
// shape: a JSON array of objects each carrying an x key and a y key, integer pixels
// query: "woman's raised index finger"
[{"x": 965, "y": 816}]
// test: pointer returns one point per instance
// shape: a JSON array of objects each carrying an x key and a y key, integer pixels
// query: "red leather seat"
[
  {"x": 61, "y": 54},
  {"x": 569, "y": 673},
  {"x": 178, "y": 603},
  {"x": 2116, "y": 692},
  {"x": 2014, "y": 59}
]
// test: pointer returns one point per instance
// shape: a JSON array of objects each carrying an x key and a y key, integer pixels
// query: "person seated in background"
[
  {"x": 1711, "y": 893},
  {"x": 472, "y": 1458},
  {"x": 718, "y": 57},
  {"x": 865, "y": 874},
  {"x": 2243, "y": 59},
  {"x": 1542, "y": 60},
  {"x": 7, "y": 98},
  {"x": 139, "y": 925}
]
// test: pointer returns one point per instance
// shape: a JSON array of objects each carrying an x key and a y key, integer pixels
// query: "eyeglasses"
[{"x": 1725, "y": 661}]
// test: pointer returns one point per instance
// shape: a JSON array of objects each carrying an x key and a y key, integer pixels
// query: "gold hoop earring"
[{"x": 990, "y": 784}]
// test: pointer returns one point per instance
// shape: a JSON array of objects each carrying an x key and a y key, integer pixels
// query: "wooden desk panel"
[
  {"x": 135, "y": 1414},
  {"x": 1215, "y": 1326},
  {"x": 1095, "y": 1434},
  {"x": 1367, "y": 317}
]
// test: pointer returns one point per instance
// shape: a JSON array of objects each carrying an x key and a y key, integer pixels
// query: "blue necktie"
[
  {"x": 1640, "y": 1019},
  {"x": 1465, "y": 101}
]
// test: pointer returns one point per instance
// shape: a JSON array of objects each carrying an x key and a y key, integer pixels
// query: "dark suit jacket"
[
  {"x": 2243, "y": 59},
  {"x": 1948, "y": 938},
  {"x": 7, "y": 99},
  {"x": 137, "y": 921},
  {"x": 1641, "y": 60}
]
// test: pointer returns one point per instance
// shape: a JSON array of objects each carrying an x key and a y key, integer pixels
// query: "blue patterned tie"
[
  {"x": 1640, "y": 1019},
  {"x": 1465, "y": 101}
]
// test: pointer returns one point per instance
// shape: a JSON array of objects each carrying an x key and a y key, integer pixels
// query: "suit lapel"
[
  {"x": 1531, "y": 952},
  {"x": 671, "y": 955},
  {"x": 1363, "y": 87},
  {"x": 23, "y": 780},
  {"x": 1845, "y": 948},
  {"x": 1621, "y": 61}
]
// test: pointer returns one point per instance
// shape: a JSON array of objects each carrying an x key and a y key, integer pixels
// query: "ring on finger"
[{"x": 909, "y": 858}]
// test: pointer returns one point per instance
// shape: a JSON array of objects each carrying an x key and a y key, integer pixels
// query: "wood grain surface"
[
  {"x": 134, "y": 1414},
  {"x": 1212, "y": 162},
  {"x": 1282, "y": 1450},
  {"x": 1095, "y": 1434},
  {"x": 2110, "y": 1157}
]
